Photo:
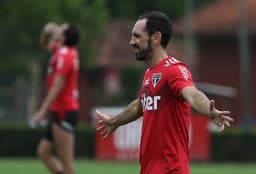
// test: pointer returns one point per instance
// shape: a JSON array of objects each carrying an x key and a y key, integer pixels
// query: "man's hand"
[
  {"x": 49, "y": 34},
  {"x": 220, "y": 118},
  {"x": 105, "y": 124},
  {"x": 39, "y": 116}
]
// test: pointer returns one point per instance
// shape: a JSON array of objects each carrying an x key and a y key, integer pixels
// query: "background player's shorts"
[{"x": 68, "y": 123}]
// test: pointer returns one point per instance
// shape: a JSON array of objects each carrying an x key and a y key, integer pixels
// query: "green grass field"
[{"x": 33, "y": 166}]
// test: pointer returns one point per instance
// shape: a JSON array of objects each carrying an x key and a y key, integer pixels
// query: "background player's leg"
[
  {"x": 64, "y": 143},
  {"x": 45, "y": 152}
]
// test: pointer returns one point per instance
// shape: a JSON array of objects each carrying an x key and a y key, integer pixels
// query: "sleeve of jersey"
[
  {"x": 64, "y": 64},
  {"x": 179, "y": 77}
]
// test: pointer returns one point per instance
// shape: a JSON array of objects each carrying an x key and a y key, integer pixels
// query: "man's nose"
[{"x": 131, "y": 42}]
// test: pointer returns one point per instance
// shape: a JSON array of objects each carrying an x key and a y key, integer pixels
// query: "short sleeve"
[
  {"x": 179, "y": 77},
  {"x": 64, "y": 64}
]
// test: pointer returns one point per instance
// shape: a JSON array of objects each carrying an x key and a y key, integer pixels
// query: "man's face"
[{"x": 140, "y": 41}]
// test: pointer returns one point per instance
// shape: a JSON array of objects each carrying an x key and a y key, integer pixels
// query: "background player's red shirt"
[
  {"x": 65, "y": 62},
  {"x": 166, "y": 119}
]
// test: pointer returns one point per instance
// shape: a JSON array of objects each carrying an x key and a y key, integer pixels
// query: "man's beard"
[{"x": 144, "y": 53}]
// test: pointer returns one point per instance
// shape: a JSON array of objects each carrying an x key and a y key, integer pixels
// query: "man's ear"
[{"x": 156, "y": 37}]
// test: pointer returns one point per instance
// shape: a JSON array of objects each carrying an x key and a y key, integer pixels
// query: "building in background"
[
  {"x": 216, "y": 63},
  {"x": 216, "y": 31}
]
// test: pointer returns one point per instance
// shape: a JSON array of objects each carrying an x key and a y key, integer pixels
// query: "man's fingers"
[
  {"x": 103, "y": 132},
  {"x": 226, "y": 123},
  {"x": 105, "y": 136},
  {"x": 100, "y": 122},
  {"x": 99, "y": 114},
  {"x": 218, "y": 124},
  {"x": 221, "y": 128},
  {"x": 225, "y": 113},
  {"x": 227, "y": 118},
  {"x": 100, "y": 128},
  {"x": 222, "y": 125},
  {"x": 212, "y": 105},
  {"x": 103, "y": 125}
]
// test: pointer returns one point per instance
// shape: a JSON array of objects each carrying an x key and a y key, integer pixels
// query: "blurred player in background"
[
  {"x": 165, "y": 100},
  {"x": 61, "y": 99}
]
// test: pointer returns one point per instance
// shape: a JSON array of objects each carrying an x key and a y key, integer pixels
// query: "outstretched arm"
[
  {"x": 199, "y": 101},
  {"x": 107, "y": 124}
]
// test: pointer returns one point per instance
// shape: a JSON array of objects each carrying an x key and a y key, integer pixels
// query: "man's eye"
[{"x": 136, "y": 35}]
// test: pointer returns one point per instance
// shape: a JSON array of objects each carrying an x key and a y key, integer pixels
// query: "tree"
[
  {"x": 133, "y": 8},
  {"x": 23, "y": 21}
]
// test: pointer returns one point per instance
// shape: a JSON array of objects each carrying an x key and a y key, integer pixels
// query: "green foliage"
[
  {"x": 133, "y": 8},
  {"x": 10, "y": 70},
  {"x": 90, "y": 17},
  {"x": 201, "y": 3},
  {"x": 131, "y": 78},
  {"x": 234, "y": 144},
  {"x": 22, "y": 22},
  {"x": 13, "y": 133},
  {"x": 112, "y": 100}
]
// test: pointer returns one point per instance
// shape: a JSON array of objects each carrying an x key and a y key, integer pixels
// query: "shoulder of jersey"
[
  {"x": 171, "y": 61},
  {"x": 63, "y": 50},
  {"x": 66, "y": 52}
]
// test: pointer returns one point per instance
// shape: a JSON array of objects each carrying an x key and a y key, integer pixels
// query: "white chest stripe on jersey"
[
  {"x": 146, "y": 82},
  {"x": 60, "y": 63},
  {"x": 170, "y": 61},
  {"x": 184, "y": 72}
]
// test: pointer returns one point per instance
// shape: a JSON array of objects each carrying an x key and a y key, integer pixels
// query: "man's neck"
[{"x": 156, "y": 57}]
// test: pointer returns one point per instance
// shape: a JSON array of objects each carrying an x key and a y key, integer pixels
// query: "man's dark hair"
[
  {"x": 158, "y": 21},
  {"x": 72, "y": 36}
]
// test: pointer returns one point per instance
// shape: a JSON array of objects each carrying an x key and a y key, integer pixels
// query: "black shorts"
[{"x": 68, "y": 123}]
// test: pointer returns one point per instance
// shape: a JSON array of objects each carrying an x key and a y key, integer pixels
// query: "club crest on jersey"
[{"x": 156, "y": 78}]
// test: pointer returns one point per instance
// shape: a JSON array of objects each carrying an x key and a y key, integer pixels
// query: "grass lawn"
[{"x": 34, "y": 166}]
